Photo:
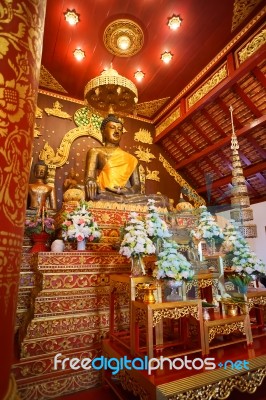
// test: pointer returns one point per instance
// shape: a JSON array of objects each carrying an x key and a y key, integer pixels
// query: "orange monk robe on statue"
[{"x": 117, "y": 170}]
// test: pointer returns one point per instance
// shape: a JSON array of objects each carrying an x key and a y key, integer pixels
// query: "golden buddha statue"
[
  {"x": 111, "y": 173},
  {"x": 39, "y": 193},
  {"x": 72, "y": 190}
]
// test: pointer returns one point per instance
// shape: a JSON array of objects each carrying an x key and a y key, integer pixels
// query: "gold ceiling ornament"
[
  {"x": 38, "y": 112},
  {"x": 144, "y": 136},
  {"x": 123, "y": 38},
  {"x": 111, "y": 92},
  {"x": 240, "y": 202},
  {"x": 71, "y": 16}
]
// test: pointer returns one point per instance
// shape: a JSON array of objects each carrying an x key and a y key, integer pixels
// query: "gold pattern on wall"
[
  {"x": 152, "y": 175},
  {"x": 36, "y": 131},
  {"x": 149, "y": 108},
  {"x": 57, "y": 111},
  {"x": 49, "y": 82},
  {"x": 242, "y": 9},
  {"x": 143, "y": 136},
  {"x": 142, "y": 179},
  {"x": 211, "y": 83},
  {"x": 144, "y": 154},
  {"x": 252, "y": 46},
  {"x": 191, "y": 193},
  {"x": 48, "y": 155},
  {"x": 38, "y": 112},
  {"x": 168, "y": 121}
]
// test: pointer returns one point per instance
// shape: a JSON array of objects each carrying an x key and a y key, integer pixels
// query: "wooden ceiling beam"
[
  {"x": 247, "y": 100},
  {"x": 260, "y": 76},
  {"x": 251, "y": 170},
  {"x": 223, "y": 142},
  {"x": 214, "y": 123}
]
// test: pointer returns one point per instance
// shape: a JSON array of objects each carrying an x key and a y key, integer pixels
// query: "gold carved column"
[{"x": 21, "y": 35}]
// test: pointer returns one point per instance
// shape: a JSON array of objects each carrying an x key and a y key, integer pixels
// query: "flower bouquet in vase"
[
  {"x": 79, "y": 226},
  {"x": 208, "y": 230},
  {"x": 136, "y": 244},
  {"x": 156, "y": 227},
  {"x": 247, "y": 266},
  {"x": 173, "y": 267},
  {"x": 40, "y": 229}
]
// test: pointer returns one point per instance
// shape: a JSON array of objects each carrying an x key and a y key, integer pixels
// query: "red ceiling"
[{"x": 205, "y": 30}]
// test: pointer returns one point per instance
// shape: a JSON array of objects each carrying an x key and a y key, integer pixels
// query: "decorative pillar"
[{"x": 21, "y": 35}]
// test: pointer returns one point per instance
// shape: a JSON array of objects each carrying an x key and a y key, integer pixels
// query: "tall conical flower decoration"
[{"x": 240, "y": 198}]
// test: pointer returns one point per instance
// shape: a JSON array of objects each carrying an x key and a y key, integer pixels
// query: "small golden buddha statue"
[{"x": 39, "y": 193}]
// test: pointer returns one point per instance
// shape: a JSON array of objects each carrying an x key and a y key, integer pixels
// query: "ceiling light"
[
  {"x": 79, "y": 54},
  {"x": 174, "y": 22},
  {"x": 71, "y": 16},
  {"x": 111, "y": 92},
  {"x": 139, "y": 75},
  {"x": 123, "y": 42},
  {"x": 166, "y": 57}
]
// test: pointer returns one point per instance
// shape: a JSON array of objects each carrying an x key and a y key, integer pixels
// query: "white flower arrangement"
[
  {"x": 156, "y": 227},
  {"x": 136, "y": 241},
  {"x": 207, "y": 227},
  {"x": 79, "y": 225},
  {"x": 172, "y": 264},
  {"x": 245, "y": 262}
]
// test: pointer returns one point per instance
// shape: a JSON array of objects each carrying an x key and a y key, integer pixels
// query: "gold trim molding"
[
  {"x": 251, "y": 47},
  {"x": 168, "y": 121},
  {"x": 211, "y": 83},
  {"x": 149, "y": 108},
  {"x": 191, "y": 193}
]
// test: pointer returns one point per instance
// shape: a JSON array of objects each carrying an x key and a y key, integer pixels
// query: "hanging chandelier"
[{"x": 111, "y": 92}]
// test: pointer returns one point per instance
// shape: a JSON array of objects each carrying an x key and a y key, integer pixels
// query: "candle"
[{"x": 43, "y": 218}]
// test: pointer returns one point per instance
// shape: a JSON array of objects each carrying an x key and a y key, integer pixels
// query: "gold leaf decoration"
[
  {"x": 242, "y": 9},
  {"x": 251, "y": 47},
  {"x": 153, "y": 175},
  {"x": 57, "y": 111},
  {"x": 149, "y": 108},
  {"x": 191, "y": 193},
  {"x": 144, "y": 154},
  {"x": 144, "y": 136},
  {"x": 49, "y": 82}
]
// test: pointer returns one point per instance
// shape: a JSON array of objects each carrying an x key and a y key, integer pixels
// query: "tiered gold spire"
[{"x": 240, "y": 199}]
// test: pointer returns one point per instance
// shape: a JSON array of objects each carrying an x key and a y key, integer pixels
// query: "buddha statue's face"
[
  {"x": 112, "y": 132},
  {"x": 40, "y": 171}
]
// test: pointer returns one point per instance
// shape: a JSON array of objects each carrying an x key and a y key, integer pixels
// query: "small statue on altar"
[
  {"x": 72, "y": 190},
  {"x": 111, "y": 173},
  {"x": 40, "y": 194}
]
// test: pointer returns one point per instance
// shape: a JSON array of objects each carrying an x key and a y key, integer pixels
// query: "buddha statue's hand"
[
  {"x": 91, "y": 186},
  {"x": 119, "y": 190}
]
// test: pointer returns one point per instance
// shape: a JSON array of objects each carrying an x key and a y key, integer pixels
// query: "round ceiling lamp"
[{"x": 123, "y": 37}]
